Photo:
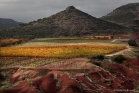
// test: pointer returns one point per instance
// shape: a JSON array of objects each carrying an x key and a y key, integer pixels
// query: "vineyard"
[
  {"x": 11, "y": 41},
  {"x": 65, "y": 51},
  {"x": 49, "y": 63},
  {"x": 9, "y": 62},
  {"x": 67, "y": 66}
]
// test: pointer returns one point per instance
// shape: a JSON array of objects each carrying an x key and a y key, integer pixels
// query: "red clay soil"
[
  {"x": 124, "y": 71},
  {"x": 19, "y": 75},
  {"x": 135, "y": 36},
  {"x": 94, "y": 86},
  {"x": 90, "y": 82},
  {"x": 135, "y": 67},
  {"x": 106, "y": 80},
  {"x": 24, "y": 87},
  {"x": 85, "y": 81},
  {"x": 133, "y": 60},
  {"x": 14, "y": 80},
  {"x": 47, "y": 84},
  {"x": 94, "y": 80},
  {"x": 68, "y": 84},
  {"x": 128, "y": 84}
]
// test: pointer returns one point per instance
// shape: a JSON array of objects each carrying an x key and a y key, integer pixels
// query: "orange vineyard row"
[{"x": 68, "y": 51}]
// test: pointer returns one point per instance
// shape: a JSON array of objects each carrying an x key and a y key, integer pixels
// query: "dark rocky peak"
[{"x": 70, "y": 8}]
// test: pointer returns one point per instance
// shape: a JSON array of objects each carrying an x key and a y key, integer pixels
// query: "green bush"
[
  {"x": 132, "y": 42},
  {"x": 100, "y": 57},
  {"x": 1, "y": 76},
  {"x": 118, "y": 58}
]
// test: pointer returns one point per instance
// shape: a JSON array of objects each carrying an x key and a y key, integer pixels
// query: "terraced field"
[
  {"x": 65, "y": 77},
  {"x": 67, "y": 72},
  {"x": 66, "y": 41}
]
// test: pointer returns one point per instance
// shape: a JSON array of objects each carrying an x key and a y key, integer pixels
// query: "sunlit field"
[
  {"x": 67, "y": 41},
  {"x": 65, "y": 51}
]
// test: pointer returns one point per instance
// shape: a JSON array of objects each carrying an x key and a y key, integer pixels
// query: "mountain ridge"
[
  {"x": 7, "y": 23},
  {"x": 126, "y": 15},
  {"x": 69, "y": 22}
]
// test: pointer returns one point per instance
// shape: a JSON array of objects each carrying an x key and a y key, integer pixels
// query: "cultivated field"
[
  {"x": 43, "y": 51},
  {"x": 65, "y": 65},
  {"x": 11, "y": 41},
  {"x": 39, "y": 51},
  {"x": 66, "y": 41}
]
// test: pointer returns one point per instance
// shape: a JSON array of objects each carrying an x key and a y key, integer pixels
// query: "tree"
[
  {"x": 118, "y": 58},
  {"x": 132, "y": 42},
  {"x": 100, "y": 57}
]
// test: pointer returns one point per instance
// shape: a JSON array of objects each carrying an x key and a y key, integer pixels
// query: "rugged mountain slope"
[
  {"x": 70, "y": 22},
  {"x": 7, "y": 23},
  {"x": 127, "y": 15}
]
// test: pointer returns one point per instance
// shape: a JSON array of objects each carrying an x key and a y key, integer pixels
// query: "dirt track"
[{"x": 120, "y": 52}]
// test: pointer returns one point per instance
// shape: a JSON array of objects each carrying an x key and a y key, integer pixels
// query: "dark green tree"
[
  {"x": 100, "y": 57},
  {"x": 132, "y": 42},
  {"x": 118, "y": 58}
]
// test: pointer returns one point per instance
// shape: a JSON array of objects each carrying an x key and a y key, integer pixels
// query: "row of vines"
[
  {"x": 67, "y": 51},
  {"x": 25, "y": 61},
  {"x": 11, "y": 41}
]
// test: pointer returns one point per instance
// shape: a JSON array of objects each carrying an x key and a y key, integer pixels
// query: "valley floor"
[{"x": 70, "y": 75}]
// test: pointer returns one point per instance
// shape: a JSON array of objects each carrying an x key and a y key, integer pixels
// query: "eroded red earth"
[{"x": 113, "y": 78}]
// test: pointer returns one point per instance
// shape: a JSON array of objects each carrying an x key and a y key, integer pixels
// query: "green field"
[{"x": 66, "y": 41}]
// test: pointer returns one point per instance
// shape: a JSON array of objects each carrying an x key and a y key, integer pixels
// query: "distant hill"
[
  {"x": 126, "y": 15},
  {"x": 70, "y": 22},
  {"x": 7, "y": 23}
]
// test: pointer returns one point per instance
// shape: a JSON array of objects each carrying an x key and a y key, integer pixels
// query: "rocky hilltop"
[
  {"x": 126, "y": 15},
  {"x": 70, "y": 22}
]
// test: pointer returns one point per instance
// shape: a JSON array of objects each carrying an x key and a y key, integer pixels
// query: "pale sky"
[{"x": 30, "y": 10}]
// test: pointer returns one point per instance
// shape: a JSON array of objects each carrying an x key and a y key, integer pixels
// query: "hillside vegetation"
[
  {"x": 70, "y": 22},
  {"x": 126, "y": 15},
  {"x": 7, "y": 23}
]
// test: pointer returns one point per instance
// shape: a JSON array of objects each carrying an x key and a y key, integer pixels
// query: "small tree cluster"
[
  {"x": 95, "y": 59},
  {"x": 100, "y": 57},
  {"x": 132, "y": 42},
  {"x": 118, "y": 58}
]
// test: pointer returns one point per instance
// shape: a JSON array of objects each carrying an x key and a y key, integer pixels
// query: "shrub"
[
  {"x": 118, "y": 58},
  {"x": 132, "y": 42},
  {"x": 1, "y": 76},
  {"x": 100, "y": 57},
  {"x": 97, "y": 64}
]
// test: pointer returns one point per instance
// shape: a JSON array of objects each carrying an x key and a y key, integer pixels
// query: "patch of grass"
[{"x": 61, "y": 41}]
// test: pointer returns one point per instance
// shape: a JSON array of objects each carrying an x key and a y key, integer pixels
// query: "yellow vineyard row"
[{"x": 68, "y": 51}]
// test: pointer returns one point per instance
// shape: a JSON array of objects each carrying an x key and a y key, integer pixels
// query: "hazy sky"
[{"x": 30, "y": 10}]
